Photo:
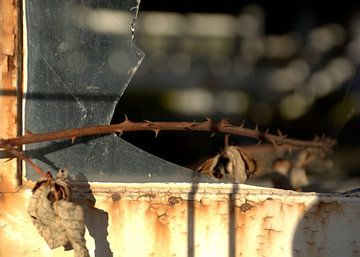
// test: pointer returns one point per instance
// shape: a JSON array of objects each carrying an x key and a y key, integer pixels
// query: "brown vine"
[{"x": 223, "y": 126}]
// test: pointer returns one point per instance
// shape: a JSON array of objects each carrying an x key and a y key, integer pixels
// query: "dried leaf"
[
  {"x": 287, "y": 175},
  {"x": 298, "y": 178},
  {"x": 58, "y": 220},
  {"x": 280, "y": 174},
  {"x": 232, "y": 163},
  {"x": 240, "y": 165}
]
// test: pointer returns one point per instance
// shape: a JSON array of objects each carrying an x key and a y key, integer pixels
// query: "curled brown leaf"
[
  {"x": 232, "y": 163},
  {"x": 59, "y": 221}
]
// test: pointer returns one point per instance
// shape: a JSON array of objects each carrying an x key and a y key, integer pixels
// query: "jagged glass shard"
[{"x": 81, "y": 58}]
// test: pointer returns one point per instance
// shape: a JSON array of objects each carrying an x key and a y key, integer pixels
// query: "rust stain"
[
  {"x": 162, "y": 238},
  {"x": 327, "y": 207},
  {"x": 245, "y": 207},
  {"x": 315, "y": 224},
  {"x": 8, "y": 23},
  {"x": 263, "y": 223},
  {"x": 115, "y": 207},
  {"x": 174, "y": 200},
  {"x": 116, "y": 197},
  {"x": 157, "y": 216},
  {"x": 243, "y": 223},
  {"x": 9, "y": 177},
  {"x": 150, "y": 196},
  {"x": 153, "y": 227}
]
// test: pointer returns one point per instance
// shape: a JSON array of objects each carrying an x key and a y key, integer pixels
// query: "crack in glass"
[{"x": 81, "y": 58}]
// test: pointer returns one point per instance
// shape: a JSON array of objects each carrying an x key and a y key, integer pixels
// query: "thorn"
[
  {"x": 126, "y": 119},
  {"x": 208, "y": 119},
  {"x": 147, "y": 121},
  {"x": 259, "y": 142},
  {"x": 242, "y": 124},
  {"x": 156, "y": 132},
  {"x": 194, "y": 124},
  {"x": 267, "y": 131},
  {"x": 213, "y": 134},
  {"x": 120, "y": 132},
  {"x": 257, "y": 127},
  {"x": 316, "y": 138},
  {"x": 273, "y": 142},
  {"x": 224, "y": 122},
  {"x": 281, "y": 134},
  {"x": 73, "y": 139}
]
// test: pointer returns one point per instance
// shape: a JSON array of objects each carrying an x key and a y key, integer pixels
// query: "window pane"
[{"x": 81, "y": 57}]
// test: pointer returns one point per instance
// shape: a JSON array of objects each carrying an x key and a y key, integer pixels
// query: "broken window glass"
[{"x": 81, "y": 57}]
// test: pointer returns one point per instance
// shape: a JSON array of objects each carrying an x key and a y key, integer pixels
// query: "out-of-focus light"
[
  {"x": 353, "y": 50},
  {"x": 252, "y": 49},
  {"x": 211, "y": 25},
  {"x": 336, "y": 72},
  {"x": 340, "y": 69},
  {"x": 321, "y": 83},
  {"x": 255, "y": 11},
  {"x": 159, "y": 61},
  {"x": 293, "y": 107},
  {"x": 220, "y": 65},
  {"x": 280, "y": 80},
  {"x": 105, "y": 21},
  {"x": 307, "y": 93},
  {"x": 248, "y": 26},
  {"x": 300, "y": 69},
  {"x": 282, "y": 47},
  {"x": 180, "y": 63},
  {"x": 324, "y": 38},
  {"x": 195, "y": 101},
  {"x": 161, "y": 23},
  {"x": 290, "y": 77},
  {"x": 261, "y": 113},
  {"x": 229, "y": 102},
  {"x": 207, "y": 47},
  {"x": 119, "y": 61}
]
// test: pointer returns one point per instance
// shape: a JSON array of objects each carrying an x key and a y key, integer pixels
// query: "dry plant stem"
[
  {"x": 8, "y": 147},
  {"x": 223, "y": 126}
]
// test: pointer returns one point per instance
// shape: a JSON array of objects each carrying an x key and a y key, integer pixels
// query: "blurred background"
[{"x": 289, "y": 65}]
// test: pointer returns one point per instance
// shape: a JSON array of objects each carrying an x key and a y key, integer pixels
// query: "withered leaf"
[
  {"x": 232, "y": 163},
  {"x": 286, "y": 175},
  {"x": 58, "y": 220}
]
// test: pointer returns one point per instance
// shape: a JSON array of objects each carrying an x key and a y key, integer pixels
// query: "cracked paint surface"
[{"x": 173, "y": 220}]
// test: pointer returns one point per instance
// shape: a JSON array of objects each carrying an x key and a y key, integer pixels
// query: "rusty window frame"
[
  {"x": 159, "y": 168},
  {"x": 11, "y": 83}
]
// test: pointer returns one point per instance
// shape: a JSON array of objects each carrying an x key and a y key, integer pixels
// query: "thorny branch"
[
  {"x": 223, "y": 126},
  {"x": 10, "y": 148}
]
